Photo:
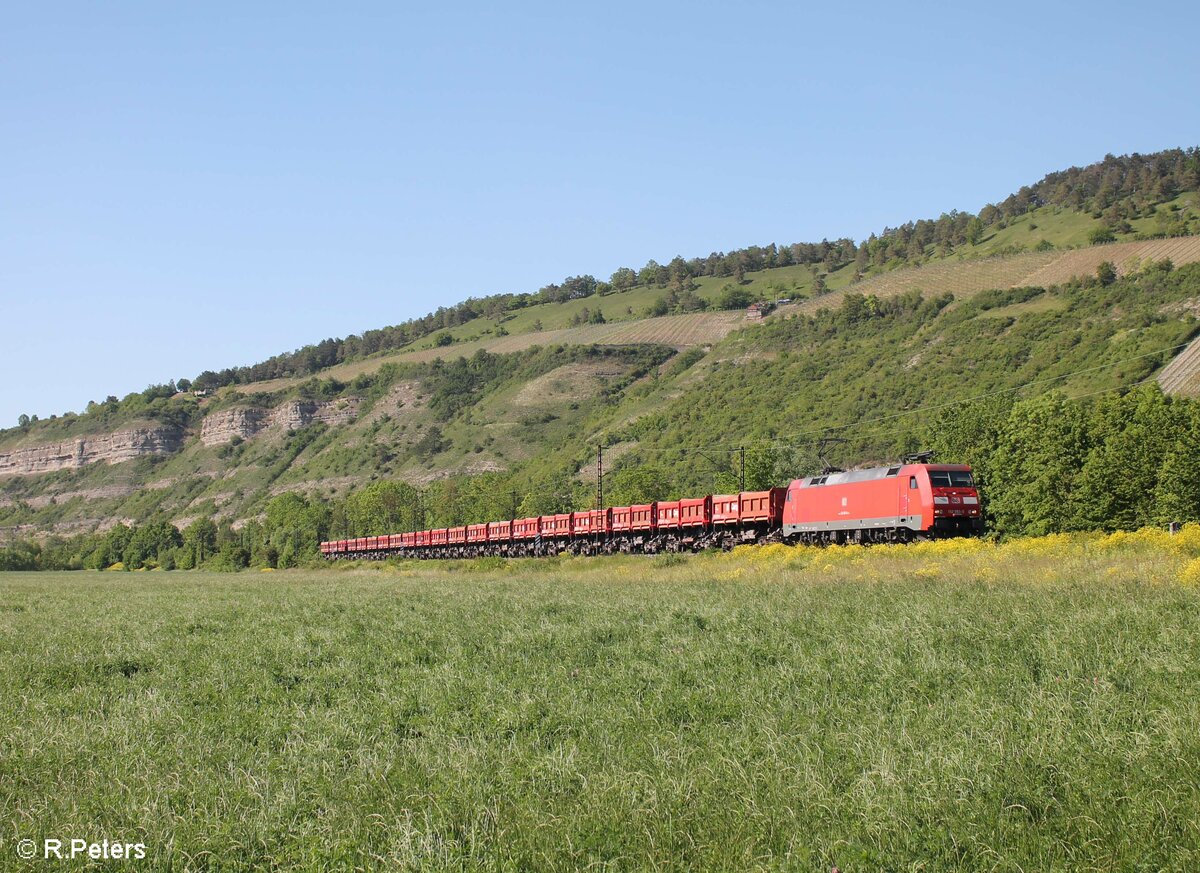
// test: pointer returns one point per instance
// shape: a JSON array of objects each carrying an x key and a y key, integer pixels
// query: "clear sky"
[{"x": 195, "y": 186}]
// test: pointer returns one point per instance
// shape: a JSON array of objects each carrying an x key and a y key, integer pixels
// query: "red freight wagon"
[
  {"x": 725, "y": 509},
  {"x": 395, "y": 541},
  {"x": 581, "y": 523},
  {"x": 477, "y": 533},
  {"x": 438, "y": 537},
  {"x": 762, "y": 507},
  {"x": 694, "y": 512},
  {"x": 325, "y": 548},
  {"x": 424, "y": 538},
  {"x": 456, "y": 536},
  {"x": 499, "y": 531},
  {"x": 556, "y": 525},
  {"x": 642, "y": 517},
  {"x": 601, "y": 520},
  {"x": 408, "y": 540},
  {"x": 526, "y": 528},
  {"x": 360, "y": 544},
  {"x": 667, "y": 512},
  {"x": 621, "y": 518}
]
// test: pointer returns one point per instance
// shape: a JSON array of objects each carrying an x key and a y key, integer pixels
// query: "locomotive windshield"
[{"x": 951, "y": 479}]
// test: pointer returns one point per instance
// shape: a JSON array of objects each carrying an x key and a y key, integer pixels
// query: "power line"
[{"x": 939, "y": 406}]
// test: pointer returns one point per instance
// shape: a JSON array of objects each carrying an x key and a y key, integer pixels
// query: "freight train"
[{"x": 912, "y": 500}]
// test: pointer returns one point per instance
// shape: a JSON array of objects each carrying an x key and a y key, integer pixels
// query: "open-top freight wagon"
[{"x": 882, "y": 504}]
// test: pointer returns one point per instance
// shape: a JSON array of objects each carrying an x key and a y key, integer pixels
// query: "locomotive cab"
[{"x": 955, "y": 500}]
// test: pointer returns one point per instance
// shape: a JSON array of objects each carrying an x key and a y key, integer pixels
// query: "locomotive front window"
[{"x": 951, "y": 479}]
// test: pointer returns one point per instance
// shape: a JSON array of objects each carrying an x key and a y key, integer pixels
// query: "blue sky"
[{"x": 197, "y": 186}]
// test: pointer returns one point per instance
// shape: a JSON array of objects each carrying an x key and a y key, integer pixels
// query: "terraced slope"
[
  {"x": 680, "y": 331},
  {"x": 964, "y": 278},
  {"x": 1182, "y": 375},
  {"x": 956, "y": 277},
  {"x": 1125, "y": 256}
]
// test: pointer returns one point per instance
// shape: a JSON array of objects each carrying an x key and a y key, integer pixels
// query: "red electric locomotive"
[{"x": 883, "y": 504}]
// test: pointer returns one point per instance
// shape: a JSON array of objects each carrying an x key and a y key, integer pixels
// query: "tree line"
[{"x": 1051, "y": 464}]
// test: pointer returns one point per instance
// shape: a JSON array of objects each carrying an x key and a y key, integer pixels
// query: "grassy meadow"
[{"x": 945, "y": 706}]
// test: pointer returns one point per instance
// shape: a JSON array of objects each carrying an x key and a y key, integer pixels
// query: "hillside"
[{"x": 502, "y": 412}]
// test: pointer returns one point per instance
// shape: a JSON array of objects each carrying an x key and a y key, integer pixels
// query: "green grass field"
[{"x": 1032, "y": 706}]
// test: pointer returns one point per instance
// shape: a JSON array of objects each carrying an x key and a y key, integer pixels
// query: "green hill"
[{"x": 501, "y": 412}]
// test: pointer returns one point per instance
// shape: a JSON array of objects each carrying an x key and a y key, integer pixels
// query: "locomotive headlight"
[{"x": 941, "y": 500}]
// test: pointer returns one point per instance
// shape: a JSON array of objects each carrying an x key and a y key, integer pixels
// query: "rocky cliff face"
[
  {"x": 301, "y": 413},
  {"x": 216, "y": 429},
  {"x": 112, "y": 448},
  {"x": 221, "y": 427},
  {"x": 249, "y": 421}
]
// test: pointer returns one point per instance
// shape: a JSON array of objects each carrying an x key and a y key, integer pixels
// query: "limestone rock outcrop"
[{"x": 111, "y": 448}]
